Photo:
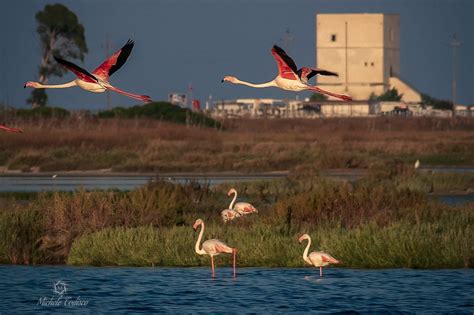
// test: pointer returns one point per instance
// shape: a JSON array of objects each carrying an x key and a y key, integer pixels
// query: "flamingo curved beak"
[
  {"x": 301, "y": 238},
  {"x": 222, "y": 80},
  {"x": 195, "y": 226}
]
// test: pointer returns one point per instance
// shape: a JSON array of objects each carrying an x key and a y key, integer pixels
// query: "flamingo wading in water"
[
  {"x": 98, "y": 80},
  {"x": 10, "y": 129},
  {"x": 317, "y": 259},
  {"x": 242, "y": 208},
  {"x": 213, "y": 247},
  {"x": 290, "y": 78}
]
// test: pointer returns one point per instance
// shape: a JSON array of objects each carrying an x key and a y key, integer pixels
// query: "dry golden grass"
[{"x": 244, "y": 145}]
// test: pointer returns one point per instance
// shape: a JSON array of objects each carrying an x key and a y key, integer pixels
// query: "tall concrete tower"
[{"x": 365, "y": 50}]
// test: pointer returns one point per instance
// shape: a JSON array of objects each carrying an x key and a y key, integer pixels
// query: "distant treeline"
[{"x": 157, "y": 110}]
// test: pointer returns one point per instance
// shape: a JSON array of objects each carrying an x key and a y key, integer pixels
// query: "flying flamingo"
[
  {"x": 317, "y": 259},
  {"x": 290, "y": 78},
  {"x": 242, "y": 208},
  {"x": 213, "y": 247},
  {"x": 229, "y": 215},
  {"x": 98, "y": 81},
  {"x": 10, "y": 129}
]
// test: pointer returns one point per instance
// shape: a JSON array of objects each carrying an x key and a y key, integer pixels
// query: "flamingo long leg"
[
  {"x": 212, "y": 265},
  {"x": 234, "y": 252},
  {"x": 321, "y": 91},
  {"x": 320, "y": 272},
  {"x": 143, "y": 98}
]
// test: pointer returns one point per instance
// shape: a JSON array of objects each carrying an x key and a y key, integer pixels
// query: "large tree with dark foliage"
[{"x": 60, "y": 34}]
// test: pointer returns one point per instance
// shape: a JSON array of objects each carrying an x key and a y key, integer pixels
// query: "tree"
[
  {"x": 60, "y": 34},
  {"x": 436, "y": 103},
  {"x": 389, "y": 96}
]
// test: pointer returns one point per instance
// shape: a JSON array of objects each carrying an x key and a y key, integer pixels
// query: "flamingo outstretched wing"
[
  {"x": 78, "y": 71},
  {"x": 306, "y": 73},
  {"x": 114, "y": 62},
  {"x": 286, "y": 66}
]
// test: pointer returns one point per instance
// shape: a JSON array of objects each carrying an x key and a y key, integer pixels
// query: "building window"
[
  {"x": 365, "y": 63},
  {"x": 333, "y": 37},
  {"x": 391, "y": 35},
  {"x": 372, "y": 64}
]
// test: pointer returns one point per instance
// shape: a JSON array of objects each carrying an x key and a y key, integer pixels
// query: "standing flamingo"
[
  {"x": 229, "y": 215},
  {"x": 98, "y": 81},
  {"x": 241, "y": 207},
  {"x": 10, "y": 129},
  {"x": 213, "y": 247},
  {"x": 317, "y": 259},
  {"x": 290, "y": 78}
]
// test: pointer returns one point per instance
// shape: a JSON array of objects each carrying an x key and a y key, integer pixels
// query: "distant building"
[
  {"x": 365, "y": 50},
  {"x": 274, "y": 108},
  {"x": 177, "y": 99}
]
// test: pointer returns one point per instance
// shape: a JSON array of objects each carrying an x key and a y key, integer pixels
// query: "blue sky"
[{"x": 180, "y": 42}]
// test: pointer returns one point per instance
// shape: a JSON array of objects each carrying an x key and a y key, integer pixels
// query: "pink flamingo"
[
  {"x": 213, "y": 247},
  {"x": 98, "y": 81},
  {"x": 10, "y": 129},
  {"x": 242, "y": 208},
  {"x": 229, "y": 215},
  {"x": 290, "y": 78},
  {"x": 317, "y": 259}
]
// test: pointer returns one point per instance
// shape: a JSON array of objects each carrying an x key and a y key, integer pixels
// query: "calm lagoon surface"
[
  {"x": 71, "y": 183},
  {"x": 258, "y": 290}
]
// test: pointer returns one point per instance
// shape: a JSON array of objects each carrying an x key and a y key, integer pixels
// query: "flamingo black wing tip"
[
  {"x": 59, "y": 59},
  {"x": 130, "y": 42}
]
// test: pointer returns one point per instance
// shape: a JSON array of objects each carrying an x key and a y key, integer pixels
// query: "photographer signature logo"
[
  {"x": 60, "y": 287},
  {"x": 61, "y": 299}
]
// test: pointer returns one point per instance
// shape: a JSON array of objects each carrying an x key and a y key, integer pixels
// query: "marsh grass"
[
  {"x": 372, "y": 223},
  {"x": 20, "y": 237},
  {"x": 398, "y": 245},
  {"x": 141, "y": 144}
]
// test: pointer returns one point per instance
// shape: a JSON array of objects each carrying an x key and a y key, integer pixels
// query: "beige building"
[{"x": 365, "y": 50}]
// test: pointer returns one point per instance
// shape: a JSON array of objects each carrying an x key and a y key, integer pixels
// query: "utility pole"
[
  {"x": 346, "y": 61},
  {"x": 455, "y": 43},
  {"x": 189, "y": 103},
  {"x": 287, "y": 39}
]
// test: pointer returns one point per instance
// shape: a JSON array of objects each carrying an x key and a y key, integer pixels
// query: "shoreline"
[
  {"x": 224, "y": 174},
  {"x": 110, "y": 173},
  {"x": 229, "y": 266}
]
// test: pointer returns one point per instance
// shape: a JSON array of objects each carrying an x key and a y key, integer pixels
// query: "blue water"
[
  {"x": 71, "y": 183},
  {"x": 455, "y": 199},
  {"x": 184, "y": 290}
]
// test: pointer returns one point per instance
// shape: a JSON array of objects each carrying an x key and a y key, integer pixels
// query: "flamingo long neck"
[
  {"x": 231, "y": 206},
  {"x": 306, "y": 250},
  {"x": 57, "y": 86},
  {"x": 260, "y": 85},
  {"x": 198, "y": 242}
]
